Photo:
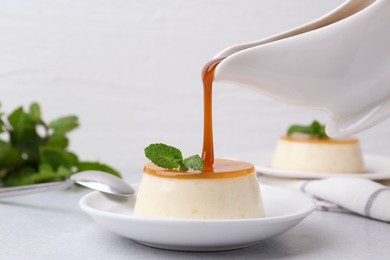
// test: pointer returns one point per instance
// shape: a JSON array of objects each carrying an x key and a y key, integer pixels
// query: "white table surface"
[{"x": 51, "y": 226}]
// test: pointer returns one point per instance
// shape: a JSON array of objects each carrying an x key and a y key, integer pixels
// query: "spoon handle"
[{"x": 29, "y": 189}]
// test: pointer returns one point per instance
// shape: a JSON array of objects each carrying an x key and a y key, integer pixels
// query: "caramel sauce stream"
[
  {"x": 208, "y": 144},
  {"x": 220, "y": 168}
]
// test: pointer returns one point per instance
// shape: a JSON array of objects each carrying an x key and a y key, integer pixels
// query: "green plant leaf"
[
  {"x": 64, "y": 124},
  {"x": 3, "y": 173},
  {"x": 55, "y": 157},
  {"x": 48, "y": 174},
  {"x": 58, "y": 140},
  {"x": 64, "y": 172},
  {"x": 169, "y": 157},
  {"x": 9, "y": 156},
  {"x": 299, "y": 129},
  {"x": 24, "y": 176},
  {"x": 314, "y": 130},
  {"x": 194, "y": 162},
  {"x": 97, "y": 166},
  {"x": 318, "y": 130},
  {"x": 23, "y": 135},
  {"x": 163, "y": 155},
  {"x": 35, "y": 112},
  {"x": 183, "y": 168},
  {"x": 2, "y": 128},
  {"x": 45, "y": 173},
  {"x": 29, "y": 158}
]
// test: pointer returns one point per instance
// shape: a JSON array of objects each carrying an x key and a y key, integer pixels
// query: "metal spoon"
[{"x": 95, "y": 180}]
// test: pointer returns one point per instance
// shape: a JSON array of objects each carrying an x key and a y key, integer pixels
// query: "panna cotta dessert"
[
  {"x": 318, "y": 155},
  {"x": 302, "y": 152},
  {"x": 230, "y": 191},
  {"x": 308, "y": 148}
]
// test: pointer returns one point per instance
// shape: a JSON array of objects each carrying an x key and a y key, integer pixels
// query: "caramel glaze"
[
  {"x": 208, "y": 145},
  {"x": 319, "y": 140},
  {"x": 222, "y": 169}
]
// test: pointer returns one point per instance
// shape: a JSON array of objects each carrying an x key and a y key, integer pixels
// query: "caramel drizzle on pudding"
[
  {"x": 213, "y": 169},
  {"x": 303, "y": 139},
  {"x": 208, "y": 144},
  {"x": 222, "y": 169}
]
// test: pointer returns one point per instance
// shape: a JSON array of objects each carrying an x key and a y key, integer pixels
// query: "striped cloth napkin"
[{"x": 344, "y": 194}]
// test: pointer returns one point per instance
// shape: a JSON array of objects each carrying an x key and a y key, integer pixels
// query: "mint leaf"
[
  {"x": 45, "y": 173},
  {"x": 299, "y": 129},
  {"x": 3, "y": 173},
  {"x": 9, "y": 156},
  {"x": 30, "y": 156},
  {"x": 35, "y": 112},
  {"x": 23, "y": 135},
  {"x": 183, "y": 168},
  {"x": 2, "y": 128},
  {"x": 164, "y": 156},
  {"x": 194, "y": 162},
  {"x": 318, "y": 130},
  {"x": 55, "y": 157},
  {"x": 64, "y": 172},
  {"x": 314, "y": 130},
  {"x": 64, "y": 124},
  {"x": 169, "y": 157},
  {"x": 96, "y": 166},
  {"x": 58, "y": 140},
  {"x": 24, "y": 176}
]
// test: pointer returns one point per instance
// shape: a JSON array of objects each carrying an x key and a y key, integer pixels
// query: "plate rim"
[{"x": 275, "y": 219}]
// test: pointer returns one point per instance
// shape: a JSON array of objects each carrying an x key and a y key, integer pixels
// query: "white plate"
[
  {"x": 283, "y": 208},
  {"x": 377, "y": 168}
]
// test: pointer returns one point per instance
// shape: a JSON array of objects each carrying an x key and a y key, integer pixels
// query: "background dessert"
[{"x": 308, "y": 148}]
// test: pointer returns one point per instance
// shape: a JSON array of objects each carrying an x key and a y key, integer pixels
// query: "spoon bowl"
[{"x": 103, "y": 182}]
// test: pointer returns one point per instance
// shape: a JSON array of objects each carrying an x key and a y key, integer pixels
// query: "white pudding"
[
  {"x": 231, "y": 191},
  {"x": 318, "y": 155}
]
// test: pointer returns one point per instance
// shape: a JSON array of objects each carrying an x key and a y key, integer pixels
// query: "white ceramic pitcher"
[{"x": 339, "y": 63}]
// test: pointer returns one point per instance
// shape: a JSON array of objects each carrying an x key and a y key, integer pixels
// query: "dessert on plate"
[
  {"x": 229, "y": 191},
  {"x": 309, "y": 149},
  {"x": 194, "y": 187}
]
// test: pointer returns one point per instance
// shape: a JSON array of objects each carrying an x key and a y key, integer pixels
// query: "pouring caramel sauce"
[
  {"x": 213, "y": 169},
  {"x": 208, "y": 143}
]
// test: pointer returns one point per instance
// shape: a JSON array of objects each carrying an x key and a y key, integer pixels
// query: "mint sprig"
[
  {"x": 35, "y": 151},
  {"x": 169, "y": 157},
  {"x": 194, "y": 162},
  {"x": 314, "y": 130}
]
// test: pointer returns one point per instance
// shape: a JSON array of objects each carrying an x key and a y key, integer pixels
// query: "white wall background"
[{"x": 131, "y": 71}]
